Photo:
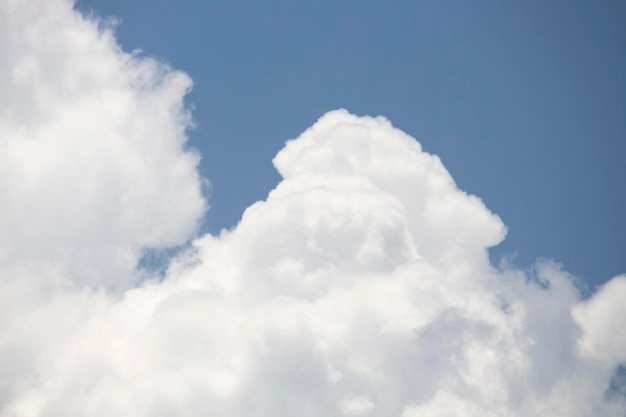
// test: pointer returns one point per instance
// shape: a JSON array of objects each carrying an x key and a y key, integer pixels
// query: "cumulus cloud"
[
  {"x": 361, "y": 286},
  {"x": 92, "y": 161}
]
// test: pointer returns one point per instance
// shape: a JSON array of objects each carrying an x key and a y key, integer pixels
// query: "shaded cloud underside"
[{"x": 360, "y": 287}]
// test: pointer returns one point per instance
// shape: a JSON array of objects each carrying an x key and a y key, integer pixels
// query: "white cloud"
[
  {"x": 361, "y": 286},
  {"x": 602, "y": 321},
  {"x": 92, "y": 164},
  {"x": 356, "y": 406}
]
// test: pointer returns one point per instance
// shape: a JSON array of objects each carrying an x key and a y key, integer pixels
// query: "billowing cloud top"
[{"x": 360, "y": 287}]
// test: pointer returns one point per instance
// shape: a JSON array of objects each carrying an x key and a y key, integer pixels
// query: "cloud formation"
[
  {"x": 360, "y": 287},
  {"x": 93, "y": 163}
]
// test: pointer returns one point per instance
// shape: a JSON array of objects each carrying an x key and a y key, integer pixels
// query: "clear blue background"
[{"x": 524, "y": 101}]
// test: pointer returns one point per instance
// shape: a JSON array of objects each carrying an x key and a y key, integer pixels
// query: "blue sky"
[{"x": 524, "y": 102}]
